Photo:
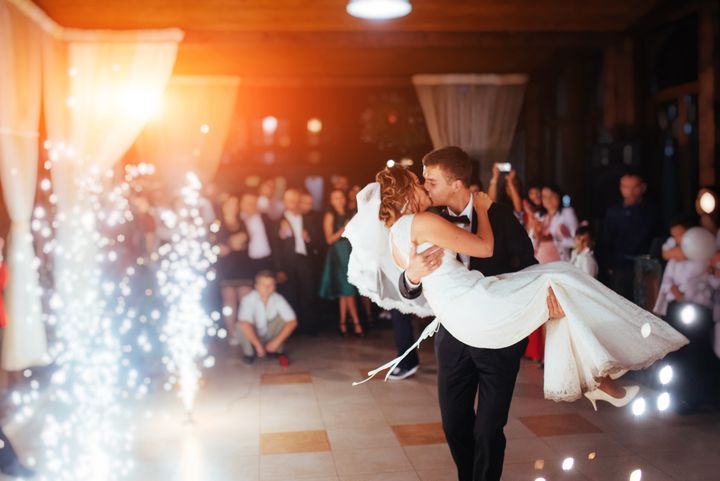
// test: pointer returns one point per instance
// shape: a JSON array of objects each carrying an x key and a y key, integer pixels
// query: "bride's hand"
[{"x": 481, "y": 201}]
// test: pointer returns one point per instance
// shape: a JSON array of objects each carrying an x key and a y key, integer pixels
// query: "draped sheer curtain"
[
  {"x": 100, "y": 89},
  {"x": 190, "y": 130},
  {"x": 24, "y": 340},
  {"x": 478, "y": 113}
]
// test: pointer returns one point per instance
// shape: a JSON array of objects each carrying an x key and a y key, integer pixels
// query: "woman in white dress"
[{"x": 601, "y": 336}]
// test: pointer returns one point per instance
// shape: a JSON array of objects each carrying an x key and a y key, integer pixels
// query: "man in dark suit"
[
  {"x": 295, "y": 250},
  {"x": 477, "y": 441},
  {"x": 260, "y": 231}
]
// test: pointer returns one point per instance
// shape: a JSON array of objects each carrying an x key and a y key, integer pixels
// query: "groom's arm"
[
  {"x": 407, "y": 290},
  {"x": 419, "y": 265}
]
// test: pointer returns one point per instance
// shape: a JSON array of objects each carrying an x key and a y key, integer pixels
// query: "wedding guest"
[
  {"x": 532, "y": 204},
  {"x": 686, "y": 301},
  {"x": 627, "y": 231},
  {"x": 314, "y": 223},
  {"x": 352, "y": 198},
  {"x": 258, "y": 228},
  {"x": 266, "y": 320},
  {"x": 232, "y": 241},
  {"x": 683, "y": 279},
  {"x": 534, "y": 197},
  {"x": 295, "y": 262},
  {"x": 340, "y": 182},
  {"x": 268, "y": 203},
  {"x": 334, "y": 283},
  {"x": 553, "y": 235},
  {"x": 582, "y": 256},
  {"x": 553, "y": 232},
  {"x": 404, "y": 338},
  {"x": 510, "y": 188}
]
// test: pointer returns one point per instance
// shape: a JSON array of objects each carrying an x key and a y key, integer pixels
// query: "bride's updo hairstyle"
[{"x": 396, "y": 193}]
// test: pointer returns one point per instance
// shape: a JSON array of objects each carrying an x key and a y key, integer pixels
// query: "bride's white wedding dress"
[{"x": 602, "y": 333}]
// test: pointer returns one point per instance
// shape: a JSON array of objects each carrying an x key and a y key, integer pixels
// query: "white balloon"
[{"x": 698, "y": 244}]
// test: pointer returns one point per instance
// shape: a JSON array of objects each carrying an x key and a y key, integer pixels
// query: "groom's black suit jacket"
[
  {"x": 512, "y": 251},
  {"x": 476, "y": 441}
]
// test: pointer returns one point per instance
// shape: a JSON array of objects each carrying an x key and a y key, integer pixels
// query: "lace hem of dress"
[{"x": 608, "y": 369}]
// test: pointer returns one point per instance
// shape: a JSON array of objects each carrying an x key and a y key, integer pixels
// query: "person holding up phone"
[{"x": 511, "y": 188}]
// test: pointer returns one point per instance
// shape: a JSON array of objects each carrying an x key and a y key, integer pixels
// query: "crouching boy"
[{"x": 266, "y": 321}]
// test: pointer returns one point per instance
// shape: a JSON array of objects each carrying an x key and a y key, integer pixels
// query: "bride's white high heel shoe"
[{"x": 600, "y": 395}]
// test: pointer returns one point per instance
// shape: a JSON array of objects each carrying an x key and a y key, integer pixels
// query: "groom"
[{"x": 477, "y": 441}]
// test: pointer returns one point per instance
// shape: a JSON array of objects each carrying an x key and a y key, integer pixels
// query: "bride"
[{"x": 601, "y": 337}]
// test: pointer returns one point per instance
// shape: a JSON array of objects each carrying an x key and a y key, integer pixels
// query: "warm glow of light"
[
  {"x": 636, "y": 475},
  {"x": 204, "y": 128},
  {"x": 314, "y": 126},
  {"x": 141, "y": 103},
  {"x": 568, "y": 464},
  {"x": 379, "y": 9},
  {"x": 708, "y": 202},
  {"x": 390, "y": 163},
  {"x": 270, "y": 125}
]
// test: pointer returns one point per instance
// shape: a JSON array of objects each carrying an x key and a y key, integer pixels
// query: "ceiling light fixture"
[{"x": 379, "y": 9}]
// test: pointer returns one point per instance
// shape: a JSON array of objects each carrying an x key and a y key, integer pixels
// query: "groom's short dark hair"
[{"x": 454, "y": 161}]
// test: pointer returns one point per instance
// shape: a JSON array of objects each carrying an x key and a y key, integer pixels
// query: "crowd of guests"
[
  {"x": 280, "y": 265},
  {"x": 610, "y": 249}
]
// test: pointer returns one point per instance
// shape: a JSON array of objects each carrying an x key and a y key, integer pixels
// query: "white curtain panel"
[
  {"x": 100, "y": 89},
  {"x": 24, "y": 341},
  {"x": 478, "y": 113},
  {"x": 191, "y": 127}
]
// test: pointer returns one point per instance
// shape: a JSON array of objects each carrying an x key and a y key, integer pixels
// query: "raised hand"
[{"x": 481, "y": 201}]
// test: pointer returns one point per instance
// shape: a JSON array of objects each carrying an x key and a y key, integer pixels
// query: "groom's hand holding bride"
[
  {"x": 422, "y": 264},
  {"x": 555, "y": 311}
]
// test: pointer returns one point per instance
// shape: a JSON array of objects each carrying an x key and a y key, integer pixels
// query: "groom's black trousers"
[{"x": 477, "y": 441}]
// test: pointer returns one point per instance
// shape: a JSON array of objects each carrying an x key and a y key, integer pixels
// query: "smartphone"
[{"x": 504, "y": 166}]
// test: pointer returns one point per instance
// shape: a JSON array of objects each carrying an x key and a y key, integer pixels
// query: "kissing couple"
[{"x": 436, "y": 249}]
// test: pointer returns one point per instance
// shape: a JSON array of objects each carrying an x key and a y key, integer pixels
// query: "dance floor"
[{"x": 307, "y": 422}]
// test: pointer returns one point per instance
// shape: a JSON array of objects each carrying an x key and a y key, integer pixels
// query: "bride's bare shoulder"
[
  {"x": 427, "y": 217},
  {"x": 425, "y": 223}
]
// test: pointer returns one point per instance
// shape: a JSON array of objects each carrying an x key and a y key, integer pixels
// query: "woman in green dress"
[{"x": 334, "y": 283}]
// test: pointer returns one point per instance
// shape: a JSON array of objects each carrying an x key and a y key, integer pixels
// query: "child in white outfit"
[{"x": 582, "y": 256}]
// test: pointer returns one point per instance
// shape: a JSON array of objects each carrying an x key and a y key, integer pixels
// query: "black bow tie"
[{"x": 456, "y": 219}]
